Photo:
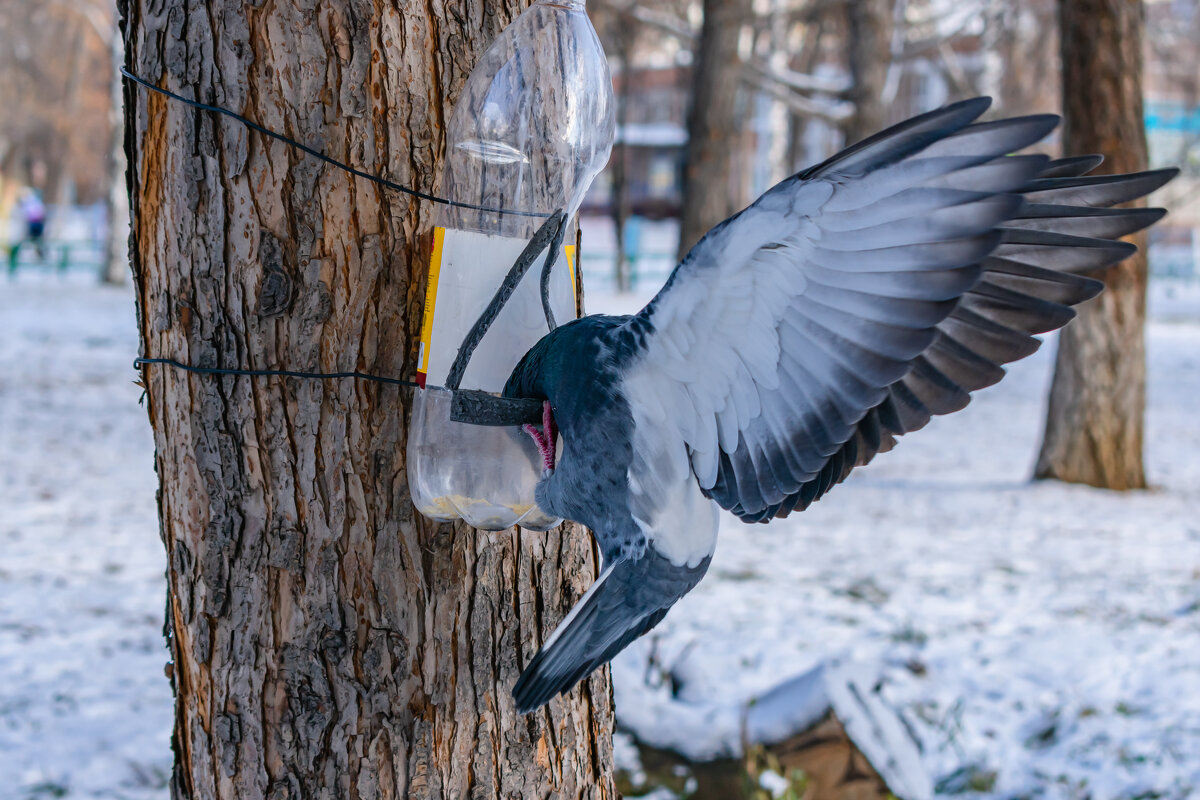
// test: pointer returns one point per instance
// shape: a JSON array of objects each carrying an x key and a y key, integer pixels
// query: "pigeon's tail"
[{"x": 630, "y": 597}]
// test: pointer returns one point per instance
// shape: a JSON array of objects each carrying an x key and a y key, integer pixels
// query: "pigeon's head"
[
  {"x": 551, "y": 369},
  {"x": 528, "y": 377}
]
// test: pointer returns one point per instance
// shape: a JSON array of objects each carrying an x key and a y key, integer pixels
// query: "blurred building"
[
  {"x": 1172, "y": 85},
  {"x": 654, "y": 134},
  {"x": 1006, "y": 50}
]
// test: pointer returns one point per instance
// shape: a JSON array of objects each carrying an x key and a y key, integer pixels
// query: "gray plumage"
[{"x": 844, "y": 308}]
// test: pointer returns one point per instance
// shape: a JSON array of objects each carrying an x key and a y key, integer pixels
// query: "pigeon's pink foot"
[{"x": 546, "y": 439}]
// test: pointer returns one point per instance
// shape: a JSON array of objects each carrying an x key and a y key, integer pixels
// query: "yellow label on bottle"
[
  {"x": 435, "y": 266},
  {"x": 570, "y": 251}
]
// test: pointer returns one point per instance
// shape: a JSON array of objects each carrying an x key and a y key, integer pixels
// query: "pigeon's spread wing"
[{"x": 852, "y": 301}]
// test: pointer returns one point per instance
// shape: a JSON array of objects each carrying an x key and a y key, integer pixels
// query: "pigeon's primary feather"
[{"x": 798, "y": 339}]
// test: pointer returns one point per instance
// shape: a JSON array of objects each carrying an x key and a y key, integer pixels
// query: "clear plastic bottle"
[{"x": 533, "y": 127}]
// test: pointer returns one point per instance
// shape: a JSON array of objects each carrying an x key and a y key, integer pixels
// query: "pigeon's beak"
[{"x": 546, "y": 439}]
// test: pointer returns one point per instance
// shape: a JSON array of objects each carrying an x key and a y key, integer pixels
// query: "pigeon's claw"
[{"x": 546, "y": 439}]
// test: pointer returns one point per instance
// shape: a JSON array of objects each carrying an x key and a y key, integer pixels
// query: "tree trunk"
[
  {"x": 1098, "y": 396},
  {"x": 709, "y": 195},
  {"x": 64, "y": 180},
  {"x": 326, "y": 641},
  {"x": 869, "y": 31},
  {"x": 807, "y": 59}
]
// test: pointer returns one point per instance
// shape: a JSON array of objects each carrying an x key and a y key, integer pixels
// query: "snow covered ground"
[
  {"x": 1042, "y": 640},
  {"x": 85, "y": 710}
]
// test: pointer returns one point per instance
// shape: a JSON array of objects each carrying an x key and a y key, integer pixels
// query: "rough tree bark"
[
  {"x": 1094, "y": 425},
  {"x": 326, "y": 642},
  {"x": 869, "y": 40},
  {"x": 709, "y": 195}
]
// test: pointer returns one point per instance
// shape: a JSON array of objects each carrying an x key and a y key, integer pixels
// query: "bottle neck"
[{"x": 572, "y": 5}]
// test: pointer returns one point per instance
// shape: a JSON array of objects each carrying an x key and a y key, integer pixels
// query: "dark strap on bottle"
[{"x": 482, "y": 408}]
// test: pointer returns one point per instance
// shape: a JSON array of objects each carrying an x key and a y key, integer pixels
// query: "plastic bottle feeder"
[{"x": 532, "y": 129}]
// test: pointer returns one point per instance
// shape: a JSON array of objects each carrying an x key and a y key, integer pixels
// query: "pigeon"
[{"x": 798, "y": 339}]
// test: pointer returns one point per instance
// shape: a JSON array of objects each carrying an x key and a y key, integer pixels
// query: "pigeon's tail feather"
[
  {"x": 629, "y": 598},
  {"x": 570, "y": 660}
]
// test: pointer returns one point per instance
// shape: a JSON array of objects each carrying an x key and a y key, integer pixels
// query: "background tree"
[
  {"x": 326, "y": 641},
  {"x": 1024, "y": 37},
  {"x": 619, "y": 35},
  {"x": 709, "y": 190},
  {"x": 1094, "y": 425},
  {"x": 868, "y": 42},
  {"x": 56, "y": 92},
  {"x": 115, "y": 267}
]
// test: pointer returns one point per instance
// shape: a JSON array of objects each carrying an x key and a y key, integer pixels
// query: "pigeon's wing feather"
[
  {"x": 1026, "y": 287},
  {"x": 630, "y": 597},
  {"x": 850, "y": 302}
]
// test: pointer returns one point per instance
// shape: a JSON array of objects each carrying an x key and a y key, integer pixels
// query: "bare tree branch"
[
  {"x": 833, "y": 111},
  {"x": 762, "y": 71},
  {"x": 798, "y": 81}
]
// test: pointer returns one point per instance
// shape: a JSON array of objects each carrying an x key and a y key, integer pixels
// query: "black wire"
[
  {"x": 547, "y": 265},
  {"x": 284, "y": 373},
  {"x": 555, "y": 221},
  {"x": 469, "y": 406},
  {"x": 321, "y": 156}
]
